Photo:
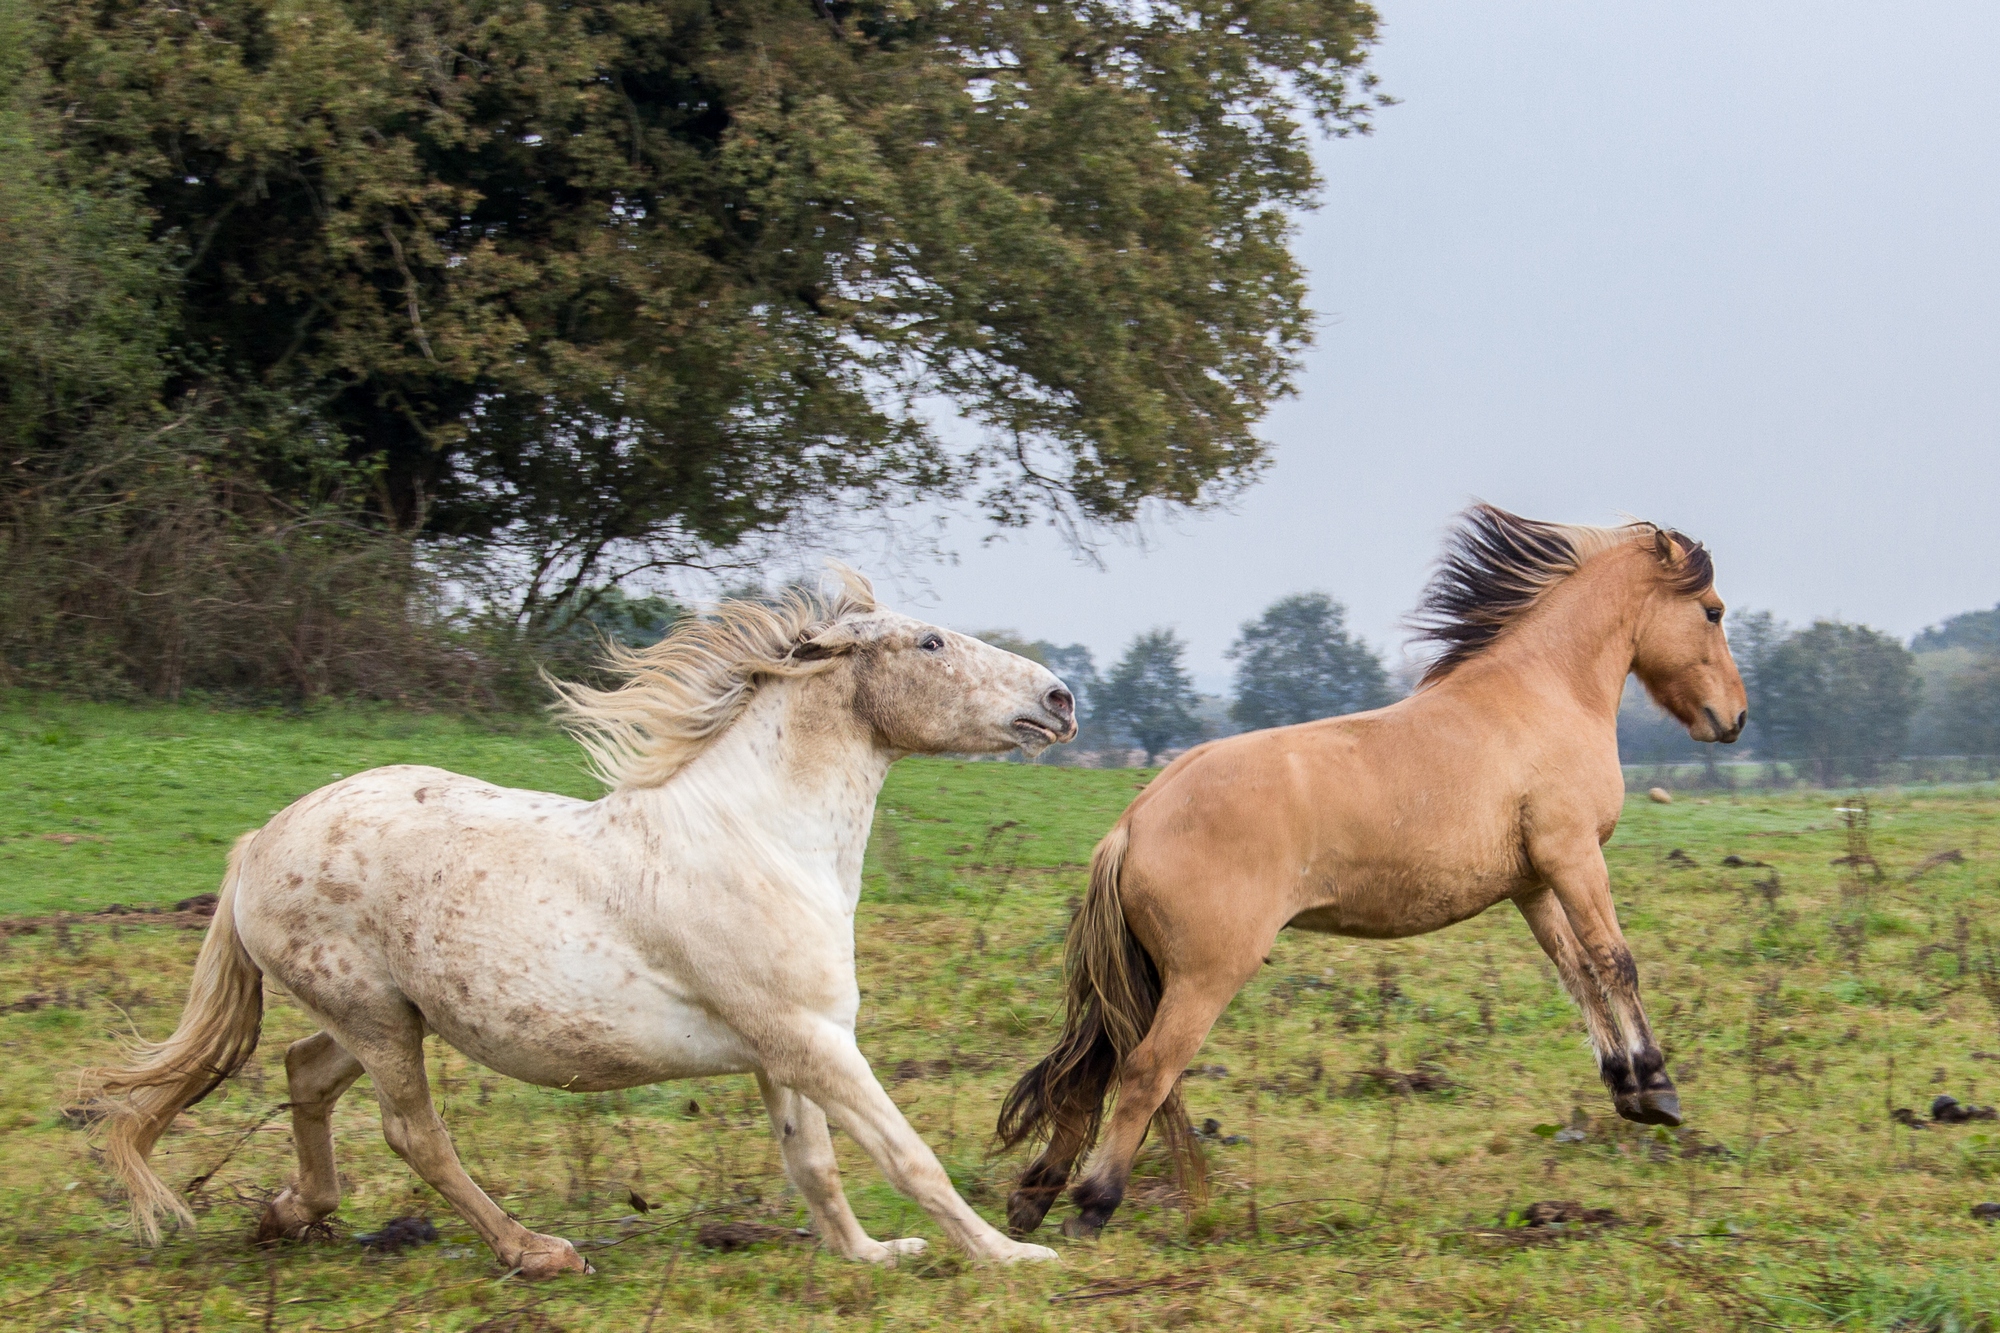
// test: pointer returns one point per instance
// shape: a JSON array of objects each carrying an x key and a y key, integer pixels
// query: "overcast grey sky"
[{"x": 1735, "y": 268}]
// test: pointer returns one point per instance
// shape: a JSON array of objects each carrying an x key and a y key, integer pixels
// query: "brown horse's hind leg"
[
  {"x": 1042, "y": 1183},
  {"x": 318, "y": 1070},
  {"x": 1188, "y": 1009}
]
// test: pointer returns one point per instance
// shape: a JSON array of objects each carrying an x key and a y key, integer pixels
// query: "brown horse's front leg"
[{"x": 1577, "y": 927}]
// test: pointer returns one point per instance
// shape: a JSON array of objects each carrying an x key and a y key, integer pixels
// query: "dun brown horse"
[{"x": 1498, "y": 780}]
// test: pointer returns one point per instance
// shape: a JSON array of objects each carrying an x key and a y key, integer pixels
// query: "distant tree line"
[
  {"x": 1838, "y": 698},
  {"x": 1831, "y": 697},
  {"x": 1295, "y": 663}
]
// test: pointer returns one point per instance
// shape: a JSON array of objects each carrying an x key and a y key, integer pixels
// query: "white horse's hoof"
[
  {"x": 887, "y": 1252},
  {"x": 550, "y": 1256},
  {"x": 285, "y": 1217},
  {"x": 1018, "y": 1252}
]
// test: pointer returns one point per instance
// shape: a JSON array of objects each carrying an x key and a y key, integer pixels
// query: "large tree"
[
  {"x": 1836, "y": 692},
  {"x": 1297, "y": 662},
  {"x": 1971, "y": 712},
  {"x": 629, "y": 281},
  {"x": 1148, "y": 697}
]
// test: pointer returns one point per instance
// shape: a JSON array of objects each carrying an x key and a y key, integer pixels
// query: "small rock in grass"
[
  {"x": 1949, "y": 1110},
  {"x": 1679, "y": 858},
  {"x": 1660, "y": 796},
  {"x": 1986, "y": 1212}
]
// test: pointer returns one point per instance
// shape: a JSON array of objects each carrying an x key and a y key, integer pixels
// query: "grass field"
[{"x": 1396, "y": 1108}]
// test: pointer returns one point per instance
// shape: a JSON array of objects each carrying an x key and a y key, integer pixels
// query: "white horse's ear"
[{"x": 837, "y": 638}]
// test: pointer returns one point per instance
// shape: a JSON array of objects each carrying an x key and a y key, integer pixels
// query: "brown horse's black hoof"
[
  {"x": 1081, "y": 1228},
  {"x": 1034, "y": 1194},
  {"x": 1653, "y": 1107},
  {"x": 1025, "y": 1210},
  {"x": 1096, "y": 1200}
]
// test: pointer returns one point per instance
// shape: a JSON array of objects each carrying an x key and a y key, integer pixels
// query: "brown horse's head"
[{"x": 1682, "y": 656}]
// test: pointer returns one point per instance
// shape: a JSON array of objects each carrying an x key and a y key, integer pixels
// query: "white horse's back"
[{"x": 501, "y": 916}]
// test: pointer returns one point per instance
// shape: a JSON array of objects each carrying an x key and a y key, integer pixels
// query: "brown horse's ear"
[
  {"x": 1663, "y": 545},
  {"x": 834, "y": 640}
]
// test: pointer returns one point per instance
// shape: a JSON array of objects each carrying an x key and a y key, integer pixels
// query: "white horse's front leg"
[
  {"x": 809, "y": 1164},
  {"x": 823, "y": 1063}
]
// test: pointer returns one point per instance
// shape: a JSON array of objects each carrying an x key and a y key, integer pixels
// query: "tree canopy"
[
  {"x": 1835, "y": 691},
  {"x": 1297, "y": 662},
  {"x": 625, "y": 282},
  {"x": 1977, "y": 630},
  {"x": 1148, "y": 695}
]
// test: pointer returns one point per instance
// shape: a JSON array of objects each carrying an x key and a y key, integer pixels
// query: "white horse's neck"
[{"x": 796, "y": 776}]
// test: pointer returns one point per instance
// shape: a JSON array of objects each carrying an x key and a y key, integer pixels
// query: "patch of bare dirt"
[
  {"x": 730, "y": 1237},
  {"x": 191, "y": 913}
]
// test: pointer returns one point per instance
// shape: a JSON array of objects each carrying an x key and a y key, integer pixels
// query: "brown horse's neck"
[{"x": 1580, "y": 639}]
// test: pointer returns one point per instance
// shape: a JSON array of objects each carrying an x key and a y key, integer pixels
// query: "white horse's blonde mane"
[{"x": 679, "y": 694}]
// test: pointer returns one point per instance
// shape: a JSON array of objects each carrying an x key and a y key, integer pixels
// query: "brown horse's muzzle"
[{"x": 1726, "y": 734}]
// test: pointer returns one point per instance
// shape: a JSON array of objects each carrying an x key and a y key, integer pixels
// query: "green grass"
[{"x": 1795, "y": 1019}]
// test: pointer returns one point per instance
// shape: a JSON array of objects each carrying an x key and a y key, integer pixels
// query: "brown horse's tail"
[
  {"x": 217, "y": 1033},
  {"x": 1114, "y": 990}
]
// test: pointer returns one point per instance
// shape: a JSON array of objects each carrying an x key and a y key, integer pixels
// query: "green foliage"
[
  {"x": 1297, "y": 662},
  {"x": 635, "y": 281},
  {"x": 1970, "y": 715},
  {"x": 1148, "y": 696},
  {"x": 84, "y": 292},
  {"x": 1835, "y": 691},
  {"x": 1978, "y": 630}
]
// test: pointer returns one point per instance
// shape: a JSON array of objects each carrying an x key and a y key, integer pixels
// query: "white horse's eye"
[{"x": 931, "y": 643}]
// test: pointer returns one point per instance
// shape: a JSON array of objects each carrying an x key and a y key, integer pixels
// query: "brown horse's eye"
[
  {"x": 931, "y": 643},
  {"x": 1715, "y": 615}
]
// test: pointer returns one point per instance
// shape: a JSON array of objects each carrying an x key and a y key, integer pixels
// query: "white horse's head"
[
  {"x": 923, "y": 689},
  {"x": 915, "y": 688}
]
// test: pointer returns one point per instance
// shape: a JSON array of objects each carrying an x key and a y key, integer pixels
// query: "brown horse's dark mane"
[{"x": 1496, "y": 565}]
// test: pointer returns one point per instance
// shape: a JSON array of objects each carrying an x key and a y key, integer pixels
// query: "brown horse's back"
[{"x": 1346, "y": 825}]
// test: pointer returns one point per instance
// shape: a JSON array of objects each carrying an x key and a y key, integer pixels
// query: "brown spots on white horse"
[{"x": 421, "y": 794}]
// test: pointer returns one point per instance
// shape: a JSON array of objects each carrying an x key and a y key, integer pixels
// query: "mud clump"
[
  {"x": 729, "y": 1237},
  {"x": 1949, "y": 1110},
  {"x": 402, "y": 1233},
  {"x": 1567, "y": 1212}
]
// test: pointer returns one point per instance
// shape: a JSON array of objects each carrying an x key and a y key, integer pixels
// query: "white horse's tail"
[{"x": 217, "y": 1033}]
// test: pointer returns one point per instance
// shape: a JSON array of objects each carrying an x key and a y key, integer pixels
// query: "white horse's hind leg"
[
  {"x": 395, "y": 1061},
  {"x": 318, "y": 1070},
  {"x": 824, "y": 1064},
  {"x": 809, "y": 1164}
]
